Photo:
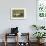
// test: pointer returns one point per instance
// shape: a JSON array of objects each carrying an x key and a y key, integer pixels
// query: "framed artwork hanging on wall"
[
  {"x": 41, "y": 12},
  {"x": 41, "y": 9},
  {"x": 18, "y": 13}
]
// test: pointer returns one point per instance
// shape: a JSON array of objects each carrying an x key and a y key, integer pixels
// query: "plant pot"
[{"x": 40, "y": 41}]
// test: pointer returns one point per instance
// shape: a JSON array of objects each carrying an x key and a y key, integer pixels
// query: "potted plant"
[
  {"x": 39, "y": 35},
  {"x": 38, "y": 27},
  {"x": 35, "y": 26},
  {"x": 42, "y": 27}
]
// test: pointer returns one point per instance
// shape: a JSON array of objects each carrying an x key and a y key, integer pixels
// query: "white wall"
[
  {"x": 24, "y": 25},
  {"x": 6, "y": 22}
]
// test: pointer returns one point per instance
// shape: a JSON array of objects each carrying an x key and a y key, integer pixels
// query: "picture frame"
[
  {"x": 18, "y": 13},
  {"x": 41, "y": 12},
  {"x": 41, "y": 9}
]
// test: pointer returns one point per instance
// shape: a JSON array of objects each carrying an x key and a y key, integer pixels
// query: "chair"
[
  {"x": 25, "y": 43},
  {"x": 7, "y": 35},
  {"x": 14, "y": 32}
]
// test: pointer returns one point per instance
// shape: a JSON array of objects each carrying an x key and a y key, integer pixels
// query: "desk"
[{"x": 8, "y": 34}]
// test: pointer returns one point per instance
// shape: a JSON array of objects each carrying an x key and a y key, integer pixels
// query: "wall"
[{"x": 24, "y": 25}]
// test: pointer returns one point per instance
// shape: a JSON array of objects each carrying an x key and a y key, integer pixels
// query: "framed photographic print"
[
  {"x": 18, "y": 13},
  {"x": 41, "y": 9},
  {"x": 41, "y": 12}
]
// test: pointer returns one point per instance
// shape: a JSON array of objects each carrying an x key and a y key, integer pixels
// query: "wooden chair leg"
[
  {"x": 17, "y": 39},
  {"x": 5, "y": 39},
  {"x": 5, "y": 43}
]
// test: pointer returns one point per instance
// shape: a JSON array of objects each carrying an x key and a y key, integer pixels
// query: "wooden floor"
[{"x": 13, "y": 44}]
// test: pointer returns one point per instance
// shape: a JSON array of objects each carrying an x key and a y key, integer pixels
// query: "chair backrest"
[{"x": 14, "y": 30}]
